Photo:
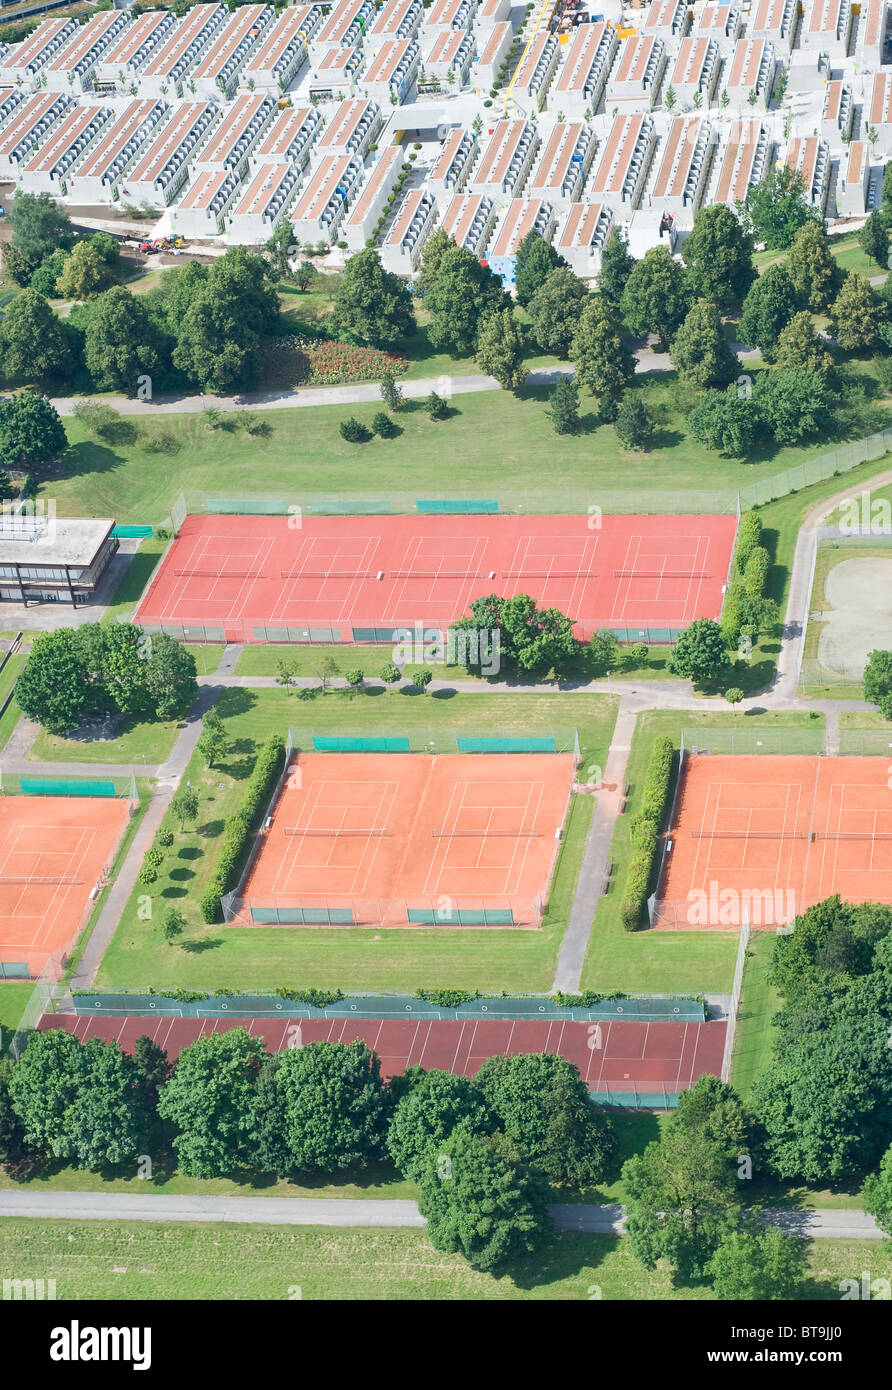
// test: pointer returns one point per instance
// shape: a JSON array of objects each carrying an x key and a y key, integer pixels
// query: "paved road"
[{"x": 336, "y": 1211}]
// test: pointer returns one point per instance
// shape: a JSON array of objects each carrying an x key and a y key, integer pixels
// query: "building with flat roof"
[
  {"x": 416, "y": 218},
  {"x": 359, "y": 224},
  {"x": 263, "y": 202},
  {"x": 47, "y": 559},
  {"x": 450, "y": 56},
  {"x": 345, "y": 27},
  {"x": 871, "y": 48},
  {"x": 393, "y": 71},
  {"x": 751, "y": 69},
  {"x": 634, "y": 82},
  {"x": 397, "y": 19},
  {"x": 234, "y": 139},
  {"x": 776, "y": 21},
  {"x": 506, "y": 160},
  {"x": 30, "y": 125},
  {"x": 853, "y": 180},
  {"x": 453, "y": 166},
  {"x": 326, "y": 198},
  {"x": 72, "y": 69},
  {"x": 98, "y": 178},
  {"x": 563, "y": 166},
  {"x": 878, "y": 111},
  {"x": 489, "y": 13},
  {"x": 695, "y": 73},
  {"x": 838, "y": 113},
  {"x": 203, "y": 210},
  {"x": 811, "y": 157},
  {"x": 336, "y": 74},
  {"x": 520, "y": 217},
  {"x": 721, "y": 23},
  {"x": 180, "y": 54},
  {"x": 535, "y": 72},
  {"x": 827, "y": 26},
  {"x": 743, "y": 161},
  {"x": 681, "y": 167},
  {"x": 125, "y": 58},
  {"x": 450, "y": 16},
  {"x": 160, "y": 173},
  {"x": 469, "y": 220},
  {"x": 290, "y": 138},
  {"x": 667, "y": 19},
  {"x": 219, "y": 67},
  {"x": 588, "y": 58},
  {"x": 351, "y": 130},
  {"x": 493, "y": 46},
  {"x": 49, "y": 170},
  {"x": 581, "y": 235},
  {"x": 622, "y": 164},
  {"x": 24, "y": 61},
  {"x": 284, "y": 49}
]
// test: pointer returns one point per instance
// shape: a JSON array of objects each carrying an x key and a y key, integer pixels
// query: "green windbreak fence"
[
  {"x": 339, "y": 506},
  {"x": 132, "y": 532},
  {"x": 14, "y": 970},
  {"x": 326, "y": 744},
  {"x": 435, "y": 506},
  {"x": 646, "y": 1010},
  {"x": 636, "y": 1100},
  {"x": 506, "y": 745},
  {"x": 64, "y": 786},
  {"x": 462, "y": 917},
  {"x": 246, "y": 506},
  {"x": 302, "y": 916}
]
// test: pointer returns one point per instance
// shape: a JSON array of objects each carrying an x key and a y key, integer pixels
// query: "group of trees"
[
  {"x": 102, "y": 668},
  {"x": 205, "y": 325},
  {"x": 482, "y": 1152},
  {"x": 877, "y": 682}
]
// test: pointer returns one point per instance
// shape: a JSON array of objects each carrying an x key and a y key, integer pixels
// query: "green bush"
[
  {"x": 447, "y": 998},
  {"x": 239, "y": 827},
  {"x": 383, "y": 425},
  {"x": 645, "y": 831},
  {"x": 749, "y": 535},
  {"x": 755, "y": 575},
  {"x": 354, "y": 431},
  {"x": 316, "y": 998}
]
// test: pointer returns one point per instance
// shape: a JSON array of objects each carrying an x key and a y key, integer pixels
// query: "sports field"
[
  {"x": 354, "y": 578},
  {"x": 54, "y": 851},
  {"x": 616, "y": 1056},
  {"x": 396, "y": 839},
  {"x": 768, "y": 836}
]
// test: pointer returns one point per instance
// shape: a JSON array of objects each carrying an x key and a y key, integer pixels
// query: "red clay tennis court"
[
  {"x": 353, "y": 578},
  {"x": 403, "y": 839},
  {"x": 769, "y": 836},
  {"x": 617, "y": 1056},
  {"x": 53, "y": 852}
]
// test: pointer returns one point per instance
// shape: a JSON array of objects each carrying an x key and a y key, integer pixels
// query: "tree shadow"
[
  {"x": 192, "y": 851},
  {"x": 235, "y": 700},
  {"x": 665, "y": 439},
  {"x": 195, "y": 948},
  {"x": 181, "y": 875},
  {"x": 89, "y": 457}
]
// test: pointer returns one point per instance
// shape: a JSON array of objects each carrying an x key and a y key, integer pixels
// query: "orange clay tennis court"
[
  {"x": 410, "y": 839},
  {"x": 53, "y": 852},
  {"x": 763, "y": 838}
]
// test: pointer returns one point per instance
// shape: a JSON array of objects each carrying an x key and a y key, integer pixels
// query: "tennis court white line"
[
  {"x": 363, "y": 560},
  {"x": 413, "y": 558}
]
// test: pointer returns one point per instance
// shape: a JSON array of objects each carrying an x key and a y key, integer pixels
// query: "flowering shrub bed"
[{"x": 332, "y": 363}]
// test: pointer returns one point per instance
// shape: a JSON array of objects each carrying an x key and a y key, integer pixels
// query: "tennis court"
[
  {"x": 54, "y": 850},
  {"x": 765, "y": 837},
  {"x": 403, "y": 839},
  {"x": 354, "y": 578},
  {"x": 617, "y": 1057}
]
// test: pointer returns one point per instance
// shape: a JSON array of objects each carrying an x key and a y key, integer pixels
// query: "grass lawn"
[
  {"x": 13, "y": 668},
  {"x": 759, "y": 1002},
  {"x": 656, "y": 961},
  {"x": 216, "y": 957},
  {"x": 13, "y": 998},
  {"x": 491, "y": 436},
  {"x": 123, "y": 1260},
  {"x": 150, "y": 738},
  {"x": 845, "y": 248},
  {"x": 135, "y": 579},
  {"x": 264, "y": 659}
]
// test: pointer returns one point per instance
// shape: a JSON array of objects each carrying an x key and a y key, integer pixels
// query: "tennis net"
[
  {"x": 661, "y": 574},
  {"x": 810, "y": 835},
  {"x": 549, "y": 574},
  {"x": 359, "y": 833},
  {"x": 328, "y": 574},
  {"x": 35, "y": 878},
  {"x": 205, "y": 573},
  {"x": 486, "y": 834}
]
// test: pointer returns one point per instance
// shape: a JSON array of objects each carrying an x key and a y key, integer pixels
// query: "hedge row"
[
  {"x": 239, "y": 827},
  {"x": 749, "y": 577},
  {"x": 645, "y": 832}
]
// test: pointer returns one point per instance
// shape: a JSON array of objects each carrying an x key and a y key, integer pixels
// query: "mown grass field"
[
  {"x": 13, "y": 998},
  {"x": 135, "y": 1260},
  {"x": 214, "y": 957},
  {"x": 759, "y": 1002},
  {"x": 674, "y": 961},
  {"x": 489, "y": 437}
]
